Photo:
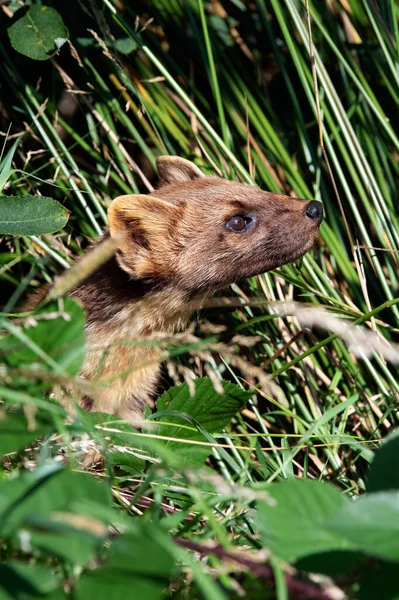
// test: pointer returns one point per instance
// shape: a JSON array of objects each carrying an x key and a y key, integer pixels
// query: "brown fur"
[{"x": 175, "y": 247}]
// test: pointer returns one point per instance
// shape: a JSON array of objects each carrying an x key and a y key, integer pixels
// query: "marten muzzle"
[{"x": 314, "y": 210}]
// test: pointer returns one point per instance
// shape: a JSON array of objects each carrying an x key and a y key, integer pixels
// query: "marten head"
[{"x": 201, "y": 233}]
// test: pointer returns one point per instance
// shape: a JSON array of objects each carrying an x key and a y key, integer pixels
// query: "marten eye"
[{"x": 238, "y": 223}]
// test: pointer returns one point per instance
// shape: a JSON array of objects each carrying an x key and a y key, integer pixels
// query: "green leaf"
[
  {"x": 125, "y": 45},
  {"x": 13, "y": 490},
  {"x": 61, "y": 336},
  {"x": 39, "y": 34},
  {"x": 371, "y": 523},
  {"x": 18, "y": 578},
  {"x": 72, "y": 537},
  {"x": 46, "y": 490},
  {"x": 14, "y": 432},
  {"x": 139, "y": 562},
  {"x": 31, "y": 215},
  {"x": 292, "y": 518},
  {"x": 208, "y": 409},
  {"x": 384, "y": 470}
]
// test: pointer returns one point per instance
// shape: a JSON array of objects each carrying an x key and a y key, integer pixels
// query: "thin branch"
[{"x": 300, "y": 590}]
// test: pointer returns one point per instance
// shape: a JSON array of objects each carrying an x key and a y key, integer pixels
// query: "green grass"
[{"x": 229, "y": 86}]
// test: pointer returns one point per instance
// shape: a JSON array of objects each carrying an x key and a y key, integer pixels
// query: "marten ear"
[
  {"x": 173, "y": 169},
  {"x": 140, "y": 217},
  {"x": 142, "y": 224}
]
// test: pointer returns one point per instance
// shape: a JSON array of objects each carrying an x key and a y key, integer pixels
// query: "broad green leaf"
[
  {"x": 58, "y": 332},
  {"x": 15, "y": 433},
  {"x": 384, "y": 470},
  {"x": 72, "y": 537},
  {"x": 210, "y": 410},
  {"x": 39, "y": 34},
  {"x": 48, "y": 489},
  {"x": 12, "y": 491},
  {"x": 139, "y": 562},
  {"x": 20, "y": 579},
  {"x": 292, "y": 518},
  {"x": 371, "y": 524},
  {"x": 31, "y": 215}
]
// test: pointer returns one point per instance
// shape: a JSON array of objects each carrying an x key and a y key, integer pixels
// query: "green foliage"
[
  {"x": 385, "y": 472},
  {"x": 56, "y": 339},
  {"x": 142, "y": 561},
  {"x": 30, "y": 215},
  {"x": 294, "y": 519},
  {"x": 64, "y": 515},
  {"x": 311, "y": 521},
  {"x": 204, "y": 412},
  {"x": 56, "y": 512},
  {"x": 15, "y": 433},
  {"x": 27, "y": 215},
  {"x": 39, "y": 34},
  {"x": 371, "y": 524},
  {"x": 301, "y": 518}
]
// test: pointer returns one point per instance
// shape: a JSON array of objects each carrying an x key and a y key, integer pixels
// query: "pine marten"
[{"x": 195, "y": 235}]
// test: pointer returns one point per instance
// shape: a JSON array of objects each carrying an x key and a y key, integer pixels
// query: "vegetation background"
[{"x": 245, "y": 485}]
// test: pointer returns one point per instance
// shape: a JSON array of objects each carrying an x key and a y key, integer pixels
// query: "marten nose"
[{"x": 314, "y": 210}]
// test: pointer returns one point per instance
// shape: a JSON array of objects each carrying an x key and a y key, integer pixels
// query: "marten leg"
[
  {"x": 126, "y": 396},
  {"x": 124, "y": 380},
  {"x": 130, "y": 408}
]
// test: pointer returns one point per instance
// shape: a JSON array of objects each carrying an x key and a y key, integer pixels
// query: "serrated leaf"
[
  {"x": 292, "y": 519},
  {"x": 210, "y": 410},
  {"x": 384, "y": 470},
  {"x": 38, "y": 33},
  {"x": 31, "y": 215}
]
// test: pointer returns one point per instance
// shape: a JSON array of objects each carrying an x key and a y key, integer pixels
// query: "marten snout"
[
  {"x": 199, "y": 232},
  {"x": 314, "y": 210}
]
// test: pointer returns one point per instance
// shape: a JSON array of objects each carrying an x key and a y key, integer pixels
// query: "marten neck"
[{"x": 111, "y": 296}]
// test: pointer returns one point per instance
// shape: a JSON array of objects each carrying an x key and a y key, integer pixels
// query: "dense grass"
[{"x": 230, "y": 86}]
